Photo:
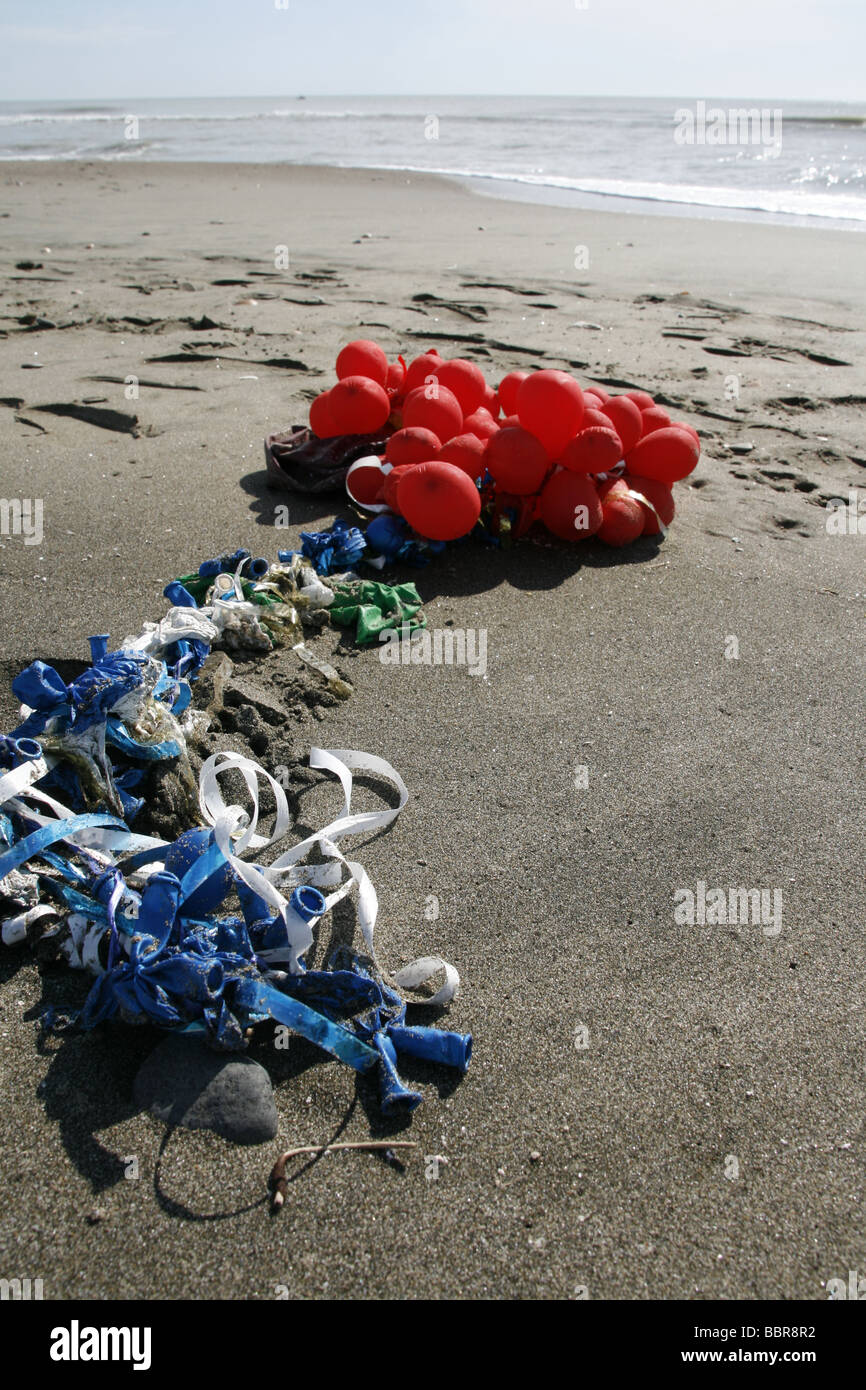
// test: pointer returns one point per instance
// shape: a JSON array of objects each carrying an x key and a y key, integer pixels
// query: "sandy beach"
[{"x": 654, "y": 1109}]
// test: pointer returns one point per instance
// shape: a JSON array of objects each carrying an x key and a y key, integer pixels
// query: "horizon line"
[{"x": 480, "y": 96}]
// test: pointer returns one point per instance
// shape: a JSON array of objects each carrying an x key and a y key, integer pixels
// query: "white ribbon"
[
  {"x": 14, "y": 782},
  {"x": 369, "y": 461},
  {"x": 235, "y": 831},
  {"x": 228, "y": 820},
  {"x": 14, "y": 929}
]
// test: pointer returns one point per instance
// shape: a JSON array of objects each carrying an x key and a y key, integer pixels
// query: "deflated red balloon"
[
  {"x": 363, "y": 358},
  {"x": 358, "y": 405},
  {"x": 439, "y": 500},
  {"x": 569, "y": 506},
  {"x": 668, "y": 454},
  {"x": 517, "y": 461},
  {"x": 550, "y": 406}
]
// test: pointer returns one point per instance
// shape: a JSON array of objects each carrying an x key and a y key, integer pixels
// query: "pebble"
[{"x": 184, "y": 1082}]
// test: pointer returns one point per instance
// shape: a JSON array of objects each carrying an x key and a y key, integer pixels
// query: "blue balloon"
[{"x": 185, "y": 852}]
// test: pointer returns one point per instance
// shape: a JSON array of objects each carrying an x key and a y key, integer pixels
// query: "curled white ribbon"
[
  {"x": 235, "y": 831},
  {"x": 368, "y": 461},
  {"x": 227, "y": 821}
]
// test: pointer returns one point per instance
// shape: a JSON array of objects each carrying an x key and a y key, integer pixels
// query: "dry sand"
[{"x": 606, "y": 1167}]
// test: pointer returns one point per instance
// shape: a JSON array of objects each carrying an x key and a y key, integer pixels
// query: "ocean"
[{"x": 802, "y": 163}]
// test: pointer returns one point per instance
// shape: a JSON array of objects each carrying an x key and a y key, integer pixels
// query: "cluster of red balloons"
[{"x": 582, "y": 462}]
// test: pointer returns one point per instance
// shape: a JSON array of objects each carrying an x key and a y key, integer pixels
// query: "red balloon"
[
  {"x": 358, "y": 405},
  {"x": 392, "y": 482},
  {"x": 604, "y": 422},
  {"x": 594, "y": 450},
  {"x": 608, "y": 485},
  {"x": 465, "y": 380},
  {"x": 622, "y": 516},
  {"x": 508, "y": 388},
  {"x": 396, "y": 377},
  {"x": 550, "y": 406},
  {"x": 654, "y": 418},
  {"x": 511, "y": 422},
  {"x": 433, "y": 407},
  {"x": 439, "y": 500},
  {"x": 491, "y": 401},
  {"x": 625, "y": 418},
  {"x": 659, "y": 497},
  {"x": 517, "y": 461},
  {"x": 412, "y": 446},
  {"x": 668, "y": 454},
  {"x": 480, "y": 422},
  {"x": 599, "y": 391},
  {"x": 569, "y": 506},
  {"x": 642, "y": 399},
  {"x": 689, "y": 429},
  {"x": 366, "y": 484},
  {"x": 422, "y": 367},
  {"x": 467, "y": 452},
  {"x": 321, "y": 420},
  {"x": 363, "y": 358}
]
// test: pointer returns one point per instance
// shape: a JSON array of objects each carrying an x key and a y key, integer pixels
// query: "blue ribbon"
[
  {"x": 258, "y": 998},
  {"x": 33, "y": 844}
]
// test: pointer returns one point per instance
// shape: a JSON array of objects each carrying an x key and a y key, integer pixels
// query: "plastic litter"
[
  {"x": 338, "y": 549},
  {"x": 375, "y": 607},
  {"x": 147, "y": 917},
  {"x": 298, "y": 460}
]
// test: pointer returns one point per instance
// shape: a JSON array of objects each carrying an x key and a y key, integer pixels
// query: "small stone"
[
  {"x": 242, "y": 691},
  {"x": 535, "y": 1156},
  {"x": 184, "y": 1082}
]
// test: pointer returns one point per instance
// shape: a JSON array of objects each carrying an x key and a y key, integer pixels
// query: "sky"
[{"x": 87, "y": 49}]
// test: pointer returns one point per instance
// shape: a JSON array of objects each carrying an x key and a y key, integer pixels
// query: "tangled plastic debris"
[{"x": 147, "y": 916}]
